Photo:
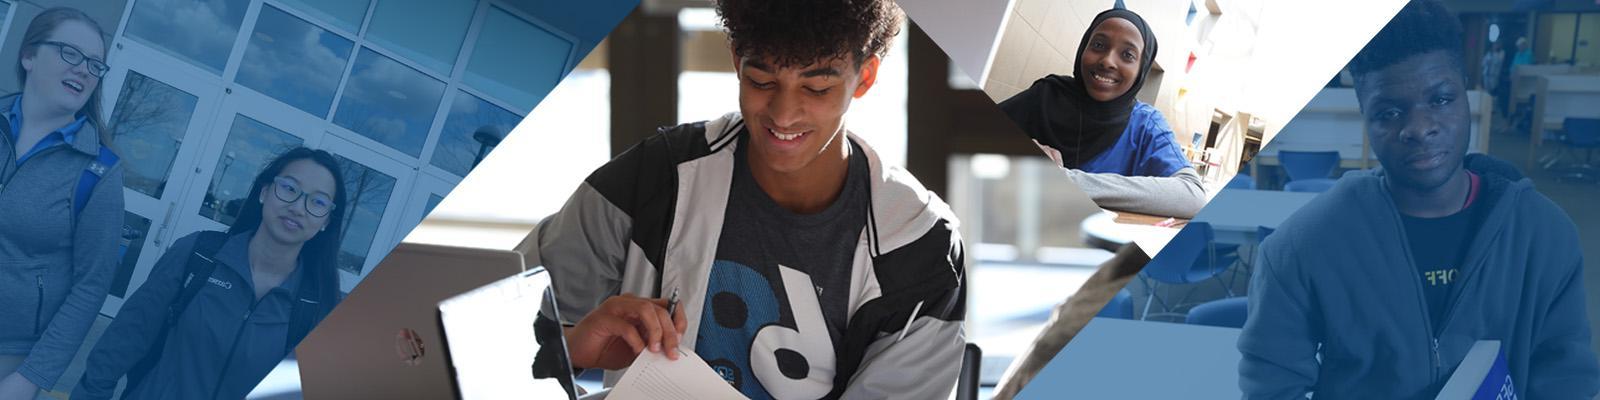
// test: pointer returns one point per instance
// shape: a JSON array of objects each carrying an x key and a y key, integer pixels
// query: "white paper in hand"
[{"x": 655, "y": 377}]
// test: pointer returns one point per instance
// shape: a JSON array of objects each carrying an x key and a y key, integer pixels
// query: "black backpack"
[{"x": 306, "y": 311}]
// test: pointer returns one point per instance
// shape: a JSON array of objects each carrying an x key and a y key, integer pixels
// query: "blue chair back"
[
  {"x": 1309, "y": 185},
  {"x": 1582, "y": 132},
  {"x": 1179, "y": 262},
  {"x": 1228, "y": 313},
  {"x": 1120, "y": 306},
  {"x": 1308, "y": 164},
  {"x": 1241, "y": 181}
]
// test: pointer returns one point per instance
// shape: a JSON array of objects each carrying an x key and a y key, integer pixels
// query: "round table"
[{"x": 1102, "y": 231}]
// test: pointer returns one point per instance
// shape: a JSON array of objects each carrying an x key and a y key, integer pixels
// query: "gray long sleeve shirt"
[{"x": 1180, "y": 195}]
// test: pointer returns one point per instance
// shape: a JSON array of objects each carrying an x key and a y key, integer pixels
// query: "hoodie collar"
[{"x": 1502, "y": 187}]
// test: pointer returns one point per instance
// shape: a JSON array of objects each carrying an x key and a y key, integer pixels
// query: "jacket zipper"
[
  {"x": 38, "y": 309},
  {"x": 233, "y": 347},
  {"x": 1422, "y": 300},
  {"x": 1450, "y": 308}
]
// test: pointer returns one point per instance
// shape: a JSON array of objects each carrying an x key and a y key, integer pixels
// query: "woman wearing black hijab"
[{"x": 1118, "y": 149}]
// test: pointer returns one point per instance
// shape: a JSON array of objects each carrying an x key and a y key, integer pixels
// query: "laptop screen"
[{"x": 490, "y": 342}]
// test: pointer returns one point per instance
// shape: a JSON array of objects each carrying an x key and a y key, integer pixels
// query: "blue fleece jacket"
[
  {"x": 55, "y": 264},
  {"x": 1338, "y": 274}
]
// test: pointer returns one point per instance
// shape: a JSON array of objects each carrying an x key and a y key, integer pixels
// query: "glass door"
[
  {"x": 159, "y": 117},
  {"x": 249, "y": 132},
  {"x": 377, "y": 186}
]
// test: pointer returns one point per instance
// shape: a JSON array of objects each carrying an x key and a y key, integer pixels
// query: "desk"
[
  {"x": 1560, "y": 97},
  {"x": 1126, "y": 359},
  {"x": 1103, "y": 230},
  {"x": 1133, "y": 218},
  {"x": 1525, "y": 79},
  {"x": 1235, "y": 214}
]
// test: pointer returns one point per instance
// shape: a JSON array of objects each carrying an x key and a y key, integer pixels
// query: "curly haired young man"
[{"x": 806, "y": 267}]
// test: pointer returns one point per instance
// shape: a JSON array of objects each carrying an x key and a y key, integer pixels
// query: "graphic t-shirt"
[
  {"x": 778, "y": 291},
  {"x": 1438, "y": 248}
]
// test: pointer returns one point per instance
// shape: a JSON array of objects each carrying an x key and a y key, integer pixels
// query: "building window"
[
  {"x": 294, "y": 61},
  {"x": 205, "y": 35},
  {"x": 389, "y": 102}
]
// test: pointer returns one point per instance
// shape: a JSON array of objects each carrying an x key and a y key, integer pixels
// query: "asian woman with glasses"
[
  {"x": 220, "y": 310},
  {"x": 61, "y": 208}
]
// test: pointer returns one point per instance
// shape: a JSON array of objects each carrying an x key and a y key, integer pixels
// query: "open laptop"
[
  {"x": 491, "y": 345},
  {"x": 384, "y": 341}
]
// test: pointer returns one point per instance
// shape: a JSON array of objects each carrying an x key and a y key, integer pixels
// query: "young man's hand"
[{"x": 611, "y": 336}]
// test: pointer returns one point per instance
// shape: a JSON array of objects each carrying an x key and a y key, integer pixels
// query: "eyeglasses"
[
  {"x": 317, "y": 204},
  {"x": 74, "y": 56}
]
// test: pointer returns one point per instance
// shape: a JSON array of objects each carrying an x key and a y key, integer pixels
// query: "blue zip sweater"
[
  {"x": 55, "y": 264},
  {"x": 222, "y": 345},
  {"x": 1339, "y": 274}
]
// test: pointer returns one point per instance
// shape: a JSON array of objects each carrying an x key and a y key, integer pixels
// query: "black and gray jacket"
[{"x": 651, "y": 219}]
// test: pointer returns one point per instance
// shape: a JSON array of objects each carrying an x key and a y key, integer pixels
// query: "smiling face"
[
  {"x": 64, "y": 88},
  {"x": 1417, "y": 118},
  {"x": 1110, "y": 60},
  {"x": 288, "y": 222},
  {"x": 795, "y": 114}
]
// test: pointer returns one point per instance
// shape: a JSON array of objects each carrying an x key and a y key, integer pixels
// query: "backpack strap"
[
  {"x": 202, "y": 262},
  {"x": 91, "y": 177}
]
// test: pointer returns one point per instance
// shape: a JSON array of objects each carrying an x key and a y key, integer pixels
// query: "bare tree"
[{"x": 144, "y": 105}]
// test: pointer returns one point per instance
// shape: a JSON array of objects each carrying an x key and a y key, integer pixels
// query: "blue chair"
[
  {"x": 1581, "y": 134},
  {"x": 1227, "y": 313},
  {"x": 1241, "y": 181},
  {"x": 1190, "y": 257},
  {"x": 1249, "y": 264},
  {"x": 1225, "y": 255},
  {"x": 1308, "y": 164},
  {"x": 1317, "y": 185},
  {"x": 1120, "y": 306}
]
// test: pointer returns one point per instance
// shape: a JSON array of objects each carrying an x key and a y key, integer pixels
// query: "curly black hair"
[
  {"x": 793, "y": 33},
  {"x": 1423, "y": 26}
]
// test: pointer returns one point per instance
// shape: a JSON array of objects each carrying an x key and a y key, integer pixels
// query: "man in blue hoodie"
[{"x": 1379, "y": 287}]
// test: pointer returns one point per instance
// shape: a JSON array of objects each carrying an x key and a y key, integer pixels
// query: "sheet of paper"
[{"x": 653, "y": 376}]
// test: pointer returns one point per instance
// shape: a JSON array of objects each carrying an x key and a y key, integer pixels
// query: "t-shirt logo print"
[{"x": 747, "y": 343}]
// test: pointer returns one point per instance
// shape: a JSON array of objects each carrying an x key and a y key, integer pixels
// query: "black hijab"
[{"x": 1058, "y": 112}]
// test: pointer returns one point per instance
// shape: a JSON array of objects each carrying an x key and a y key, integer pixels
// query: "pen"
[{"x": 672, "y": 303}]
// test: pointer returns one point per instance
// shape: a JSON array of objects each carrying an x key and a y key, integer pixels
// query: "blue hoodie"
[
  {"x": 222, "y": 345},
  {"x": 1339, "y": 274}
]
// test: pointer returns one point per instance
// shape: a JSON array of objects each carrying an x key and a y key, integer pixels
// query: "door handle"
[{"x": 166, "y": 221}]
